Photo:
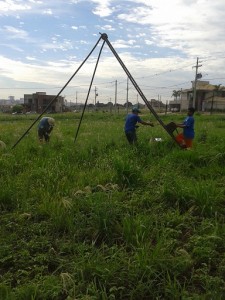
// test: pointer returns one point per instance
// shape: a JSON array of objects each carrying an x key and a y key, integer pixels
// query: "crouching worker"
[
  {"x": 185, "y": 139},
  {"x": 130, "y": 125},
  {"x": 44, "y": 128}
]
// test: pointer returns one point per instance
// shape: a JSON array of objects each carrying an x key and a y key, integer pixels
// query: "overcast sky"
[{"x": 44, "y": 42}]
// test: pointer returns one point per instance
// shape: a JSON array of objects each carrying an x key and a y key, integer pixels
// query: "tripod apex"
[{"x": 104, "y": 36}]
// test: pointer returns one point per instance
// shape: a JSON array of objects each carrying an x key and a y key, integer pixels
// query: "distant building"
[
  {"x": 5, "y": 108},
  {"x": 11, "y": 98},
  {"x": 157, "y": 104},
  {"x": 6, "y": 105},
  {"x": 208, "y": 97},
  {"x": 174, "y": 105},
  {"x": 39, "y": 101}
]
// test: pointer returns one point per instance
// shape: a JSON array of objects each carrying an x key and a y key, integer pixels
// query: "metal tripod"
[{"x": 104, "y": 37}]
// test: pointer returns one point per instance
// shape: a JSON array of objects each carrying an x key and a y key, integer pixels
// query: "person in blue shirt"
[
  {"x": 185, "y": 139},
  {"x": 45, "y": 127},
  {"x": 130, "y": 125}
]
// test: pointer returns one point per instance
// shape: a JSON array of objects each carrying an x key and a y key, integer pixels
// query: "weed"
[{"x": 99, "y": 219}]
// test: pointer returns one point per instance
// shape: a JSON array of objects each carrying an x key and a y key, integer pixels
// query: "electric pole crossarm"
[{"x": 105, "y": 38}]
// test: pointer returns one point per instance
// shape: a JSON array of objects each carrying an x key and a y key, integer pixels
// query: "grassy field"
[{"x": 98, "y": 219}]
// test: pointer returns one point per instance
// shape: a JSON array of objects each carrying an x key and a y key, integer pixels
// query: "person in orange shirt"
[{"x": 185, "y": 139}]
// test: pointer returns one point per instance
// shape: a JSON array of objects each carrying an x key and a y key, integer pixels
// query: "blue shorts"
[{"x": 131, "y": 136}]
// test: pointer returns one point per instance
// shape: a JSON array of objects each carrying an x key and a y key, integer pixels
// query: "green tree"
[
  {"x": 176, "y": 94},
  {"x": 17, "y": 108},
  {"x": 216, "y": 92}
]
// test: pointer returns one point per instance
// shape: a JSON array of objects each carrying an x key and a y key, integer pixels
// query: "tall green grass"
[{"x": 99, "y": 219}]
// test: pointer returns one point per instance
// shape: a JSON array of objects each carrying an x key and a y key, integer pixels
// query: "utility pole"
[
  {"x": 159, "y": 102},
  {"x": 96, "y": 94},
  {"x": 166, "y": 107},
  {"x": 76, "y": 100},
  {"x": 127, "y": 93},
  {"x": 195, "y": 83},
  {"x": 181, "y": 98},
  {"x": 115, "y": 95}
]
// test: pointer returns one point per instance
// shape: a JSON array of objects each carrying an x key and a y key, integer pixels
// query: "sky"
[{"x": 44, "y": 43}]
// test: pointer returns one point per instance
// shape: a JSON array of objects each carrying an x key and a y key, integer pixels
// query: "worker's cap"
[
  {"x": 51, "y": 121},
  {"x": 135, "y": 109}
]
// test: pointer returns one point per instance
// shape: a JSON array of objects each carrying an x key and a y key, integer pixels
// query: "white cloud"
[
  {"x": 106, "y": 27},
  {"x": 190, "y": 28},
  {"x": 15, "y": 33},
  {"x": 148, "y": 42},
  {"x": 7, "y": 6},
  {"x": 103, "y": 8},
  {"x": 30, "y": 58},
  {"x": 83, "y": 42},
  {"x": 47, "y": 12},
  {"x": 13, "y": 47},
  {"x": 118, "y": 44},
  {"x": 79, "y": 27},
  {"x": 35, "y": 1},
  {"x": 158, "y": 34},
  {"x": 19, "y": 71},
  {"x": 56, "y": 45}
]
